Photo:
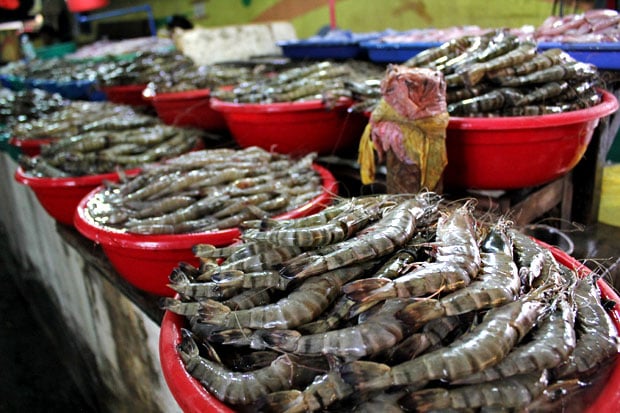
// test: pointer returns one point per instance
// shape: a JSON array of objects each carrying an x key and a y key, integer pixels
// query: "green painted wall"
[{"x": 359, "y": 15}]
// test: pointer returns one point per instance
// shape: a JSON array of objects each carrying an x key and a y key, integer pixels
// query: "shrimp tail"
[
  {"x": 369, "y": 289},
  {"x": 426, "y": 399},
  {"x": 358, "y": 373},
  {"x": 282, "y": 339},
  {"x": 187, "y": 348},
  {"x": 279, "y": 401},
  {"x": 421, "y": 311},
  {"x": 229, "y": 278},
  {"x": 233, "y": 337},
  {"x": 212, "y": 311},
  {"x": 292, "y": 268}
]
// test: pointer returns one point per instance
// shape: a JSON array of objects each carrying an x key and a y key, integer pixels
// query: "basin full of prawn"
[
  {"x": 522, "y": 151},
  {"x": 188, "y": 108},
  {"x": 193, "y": 397},
  {"x": 61, "y": 196},
  {"x": 293, "y": 127},
  {"x": 146, "y": 261}
]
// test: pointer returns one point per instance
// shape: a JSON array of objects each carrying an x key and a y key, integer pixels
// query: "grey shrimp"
[
  {"x": 388, "y": 234},
  {"x": 379, "y": 332},
  {"x": 322, "y": 392},
  {"x": 552, "y": 343},
  {"x": 536, "y": 264},
  {"x": 300, "y": 306},
  {"x": 514, "y": 392},
  {"x": 457, "y": 262},
  {"x": 497, "y": 283},
  {"x": 483, "y": 346},
  {"x": 191, "y": 289},
  {"x": 340, "y": 227},
  {"x": 264, "y": 260},
  {"x": 567, "y": 71},
  {"x": 242, "y": 388},
  {"x": 597, "y": 338}
]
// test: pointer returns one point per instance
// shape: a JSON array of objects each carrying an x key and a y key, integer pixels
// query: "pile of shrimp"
[
  {"x": 397, "y": 302},
  {"x": 72, "y": 117},
  {"x": 592, "y": 26},
  {"x": 107, "y": 145},
  {"x": 323, "y": 80},
  {"x": 502, "y": 74},
  {"x": 207, "y": 190}
]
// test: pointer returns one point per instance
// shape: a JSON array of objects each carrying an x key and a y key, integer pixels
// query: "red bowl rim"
[
  {"x": 30, "y": 143},
  {"x": 122, "y": 239},
  {"x": 124, "y": 88},
  {"x": 73, "y": 181},
  {"x": 198, "y": 399},
  {"x": 228, "y": 107},
  {"x": 608, "y": 105},
  {"x": 181, "y": 95}
]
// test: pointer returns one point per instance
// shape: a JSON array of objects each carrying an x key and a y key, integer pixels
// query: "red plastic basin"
[
  {"x": 146, "y": 261},
  {"x": 293, "y": 127},
  {"x": 126, "y": 94},
  {"x": 30, "y": 147},
  {"x": 521, "y": 151},
  {"x": 190, "y": 108},
  {"x": 192, "y": 397},
  {"x": 61, "y": 196}
]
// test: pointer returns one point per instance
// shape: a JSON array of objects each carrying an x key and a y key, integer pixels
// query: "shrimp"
[
  {"x": 232, "y": 252},
  {"x": 337, "y": 229},
  {"x": 536, "y": 264},
  {"x": 265, "y": 260},
  {"x": 567, "y": 71},
  {"x": 552, "y": 343},
  {"x": 548, "y": 58},
  {"x": 514, "y": 392},
  {"x": 457, "y": 262},
  {"x": 385, "y": 236},
  {"x": 472, "y": 74},
  {"x": 248, "y": 299},
  {"x": 379, "y": 332},
  {"x": 483, "y": 346},
  {"x": 187, "y": 288},
  {"x": 430, "y": 335},
  {"x": 497, "y": 283},
  {"x": 258, "y": 279},
  {"x": 242, "y": 388},
  {"x": 322, "y": 392},
  {"x": 449, "y": 48},
  {"x": 597, "y": 338},
  {"x": 322, "y": 217},
  {"x": 497, "y": 99},
  {"x": 300, "y": 306}
]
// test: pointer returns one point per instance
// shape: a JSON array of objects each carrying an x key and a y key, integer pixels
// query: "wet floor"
[{"x": 34, "y": 378}]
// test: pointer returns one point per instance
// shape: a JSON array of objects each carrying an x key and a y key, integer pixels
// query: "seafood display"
[
  {"x": 107, "y": 145},
  {"x": 501, "y": 74},
  {"x": 22, "y": 106},
  {"x": 323, "y": 80},
  {"x": 207, "y": 190},
  {"x": 389, "y": 300},
  {"x": 592, "y": 26},
  {"x": 75, "y": 117}
]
